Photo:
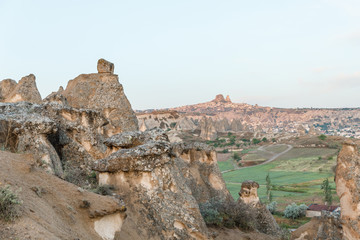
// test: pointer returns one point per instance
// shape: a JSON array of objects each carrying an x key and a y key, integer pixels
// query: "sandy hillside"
[{"x": 55, "y": 212}]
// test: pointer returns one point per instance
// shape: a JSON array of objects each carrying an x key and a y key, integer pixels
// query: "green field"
[
  {"x": 226, "y": 165},
  {"x": 296, "y": 176}
]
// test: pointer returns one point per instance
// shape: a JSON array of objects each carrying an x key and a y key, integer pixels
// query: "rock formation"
[
  {"x": 264, "y": 221},
  {"x": 104, "y": 66},
  {"x": 198, "y": 164},
  {"x": 228, "y": 99},
  {"x": 90, "y": 128},
  {"x": 248, "y": 193},
  {"x": 219, "y": 99},
  {"x": 25, "y": 90},
  {"x": 103, "y": 92},
  {"x": 348, "y": 189},
  {"x": 155, "y": 191},
  {"x": 207, "y": 129}
]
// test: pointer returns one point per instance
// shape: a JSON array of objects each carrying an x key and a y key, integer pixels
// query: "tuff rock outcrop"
[
  {"x": 24, "y": 90},
  {"x": 219, "y": 99},
  {"x": 207, "y": 129},
  {"x": 264, "y": 222},
  {"x": 348, "y": 189},
  {"x": 198, "y": 164},
  {"x": 153, "y": 187},
  {"x": 103, "y": 92},
  {"x": 248, "y": 193}
]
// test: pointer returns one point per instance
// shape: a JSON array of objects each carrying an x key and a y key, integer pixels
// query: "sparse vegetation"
[
  {"x": 105, "y": 190},
  {"x": 322, "y": 137},
  {"x": 9, "y": 204},
  {"x": 272, "y": 207},
  {"x": 236, "y": 156},
  {"x": 227, "y": 214},
  {"x": 294, "y": 211}
]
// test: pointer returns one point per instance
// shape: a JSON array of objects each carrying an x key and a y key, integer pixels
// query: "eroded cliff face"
[
  {"x": 153, "y": 188},
  {"x": 198, "y": 164},
  {"x": 103, "y": 92},
  {"x": 348, "y": 189}
]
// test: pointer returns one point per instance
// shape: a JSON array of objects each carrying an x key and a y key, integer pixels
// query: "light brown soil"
[
  {"x": 56, "y": 213},
  {"x": 236, "y": 234}
]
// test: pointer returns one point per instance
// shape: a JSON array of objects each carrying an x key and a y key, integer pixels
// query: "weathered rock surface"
[
  {"x": 153, "y": 188},
  {"x": 348, "y": 189},
  {"x": 57, "y": 97},
  {"x": 264, "y": 222},
  {"x": 25, "y": 90},
  {"x": 207, "y": 129},
  {"x": 104, "y": 66},
  {"x": 198, "y": 164},
  {"x": 248, "y": 193},
  {"x": 23, "y": 129},
  {"x": 6, "y": 87},
  {"x": 104, "y": 93}
]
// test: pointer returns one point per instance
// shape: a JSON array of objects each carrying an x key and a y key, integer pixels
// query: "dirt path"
[{"x": 262, "y": 148}]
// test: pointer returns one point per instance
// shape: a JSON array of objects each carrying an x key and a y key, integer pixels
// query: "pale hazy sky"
[{"x": 298, "y": 53}]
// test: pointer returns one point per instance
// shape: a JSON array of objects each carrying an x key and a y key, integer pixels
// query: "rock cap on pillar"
[{"x": 104, "y": 66}]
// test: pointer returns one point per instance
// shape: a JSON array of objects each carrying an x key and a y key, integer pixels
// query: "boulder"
[{"x": 104, "y": 66}]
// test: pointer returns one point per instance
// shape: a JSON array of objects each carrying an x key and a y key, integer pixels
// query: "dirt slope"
[{"x": 55, "y": 213}]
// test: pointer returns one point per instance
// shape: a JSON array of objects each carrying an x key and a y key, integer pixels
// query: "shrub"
[
  {"x": 227, "y": 214},
  {"x": 236, "y": 156},
  {"x": 225, "y": 151},
  {"x": 256, "y": 141},
  {"x": 322, "y": 137},
  {"x": 210, "y": 213},
  {"x": 9, "y": 203},
  {"x": 294, "y": 211},
  {"x": 272, "y": 207}
]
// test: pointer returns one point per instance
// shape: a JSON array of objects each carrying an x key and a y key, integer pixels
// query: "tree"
[
  {"x": 236, "y": 156},
  {"x": 322, "y": 137},
  {"x": 264, "y": 139},
  {"x": 325, "y": 186},
  {"x": 255, "y": 141},
  {"x": 268, "y": 188}
]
